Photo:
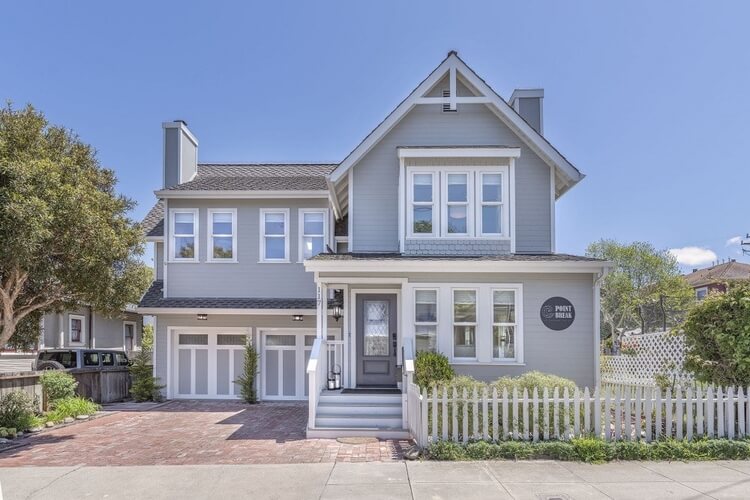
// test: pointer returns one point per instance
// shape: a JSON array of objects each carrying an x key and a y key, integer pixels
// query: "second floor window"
[
  {"x": 222, "y": 240},
  {"x": 184, "y": 230},
  {"x": 275, "y": 235},
  {"x": 422, "y": 216},
  {"x": 312, "y": 225},
  {"x": 76, "y": 329}
]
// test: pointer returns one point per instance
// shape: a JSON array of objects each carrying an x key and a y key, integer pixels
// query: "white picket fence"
[{"x": 634, "y": 414}]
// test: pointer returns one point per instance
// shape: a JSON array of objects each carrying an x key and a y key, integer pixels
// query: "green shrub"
[
  {"x": 717, "y": 337},
  {"x": 8, "y": 432},
  {"x": 593, "y": 450},
  {"x": 431, "y": 368},
  {"x": 247, "y": 379},
  {"x": 17, "y": 410},
  {"x": 72, "y": 407},
  {"x": 56, "y": 385},
  {"x": 144, "y": 386}
]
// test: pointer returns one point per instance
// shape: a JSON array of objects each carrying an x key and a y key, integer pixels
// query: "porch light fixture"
[
  {"x": 296, "y": 317},
  {"x": 203, "y": 317},
  {"x": 337, "y": 312}
]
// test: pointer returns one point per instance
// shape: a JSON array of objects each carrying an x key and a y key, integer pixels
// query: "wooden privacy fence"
[
  {"x": 447, "y": 414},
  {"x": 22, "y": 381},
  {"x": 101, "y": 386}
]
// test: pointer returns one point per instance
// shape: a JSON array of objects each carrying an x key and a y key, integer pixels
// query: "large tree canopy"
[
  {"x": 65, "y": 237},
  {"x": 640, "y": 278}
]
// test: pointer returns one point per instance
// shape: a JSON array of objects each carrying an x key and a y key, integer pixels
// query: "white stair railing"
[
  {"x": 407, "y": 355},
  {"x": 317, "y": 371}
]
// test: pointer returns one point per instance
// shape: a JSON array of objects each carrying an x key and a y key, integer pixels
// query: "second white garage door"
[{"x": 284, "y": 364}]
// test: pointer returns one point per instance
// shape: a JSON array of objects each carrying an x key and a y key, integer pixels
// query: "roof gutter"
[
  {"x": 455, "y": 266},
  {"x": 238, "y": 194}
]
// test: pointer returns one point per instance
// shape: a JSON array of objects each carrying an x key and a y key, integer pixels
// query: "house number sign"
[{"x": 557, "y": 313}]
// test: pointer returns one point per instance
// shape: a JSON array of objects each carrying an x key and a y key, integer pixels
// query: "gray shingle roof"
[
  {"x": 153, "y": 223},
  {"x": 153, "y": 298},
  {"x": 258, "y": 177},
  {"x": 513, "y": 257},
  {"x": 727, "y": 271}
]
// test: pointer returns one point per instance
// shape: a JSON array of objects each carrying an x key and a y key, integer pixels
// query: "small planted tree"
[
  {"x": 145, "y": 386},
  {"x": 717, "y": 336},
  {"x": 431, "y": 368},
  {"x": 246, "y": 380}
]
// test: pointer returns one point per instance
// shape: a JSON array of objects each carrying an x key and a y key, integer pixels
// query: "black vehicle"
[{"x": 65, "y": 359}]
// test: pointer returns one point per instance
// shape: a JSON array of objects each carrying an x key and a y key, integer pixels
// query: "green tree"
[
  {"x": 641, "y": 276},
  {"x": 717, "y": 336},
  {"x": 66, "y": 237},
  {"x": 147, "y": 341},
  {"x": 246, "y": 379}
]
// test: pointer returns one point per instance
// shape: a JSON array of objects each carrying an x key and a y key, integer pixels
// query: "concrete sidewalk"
[{"x": 398, "y": 480}]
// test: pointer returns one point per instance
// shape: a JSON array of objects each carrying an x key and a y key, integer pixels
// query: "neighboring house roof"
[
  {"x": 154, "y": 298},
  {"x": 727, "y": 271},
  {"x": 153, "y": 223},
  {"x": 244, "y": 177},
  {"x": 567, "y": 172}
]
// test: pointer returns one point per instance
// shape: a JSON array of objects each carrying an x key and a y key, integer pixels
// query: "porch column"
[{"x": 322, "y": 320}]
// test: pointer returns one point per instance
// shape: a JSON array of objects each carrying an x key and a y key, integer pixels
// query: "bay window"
[
  {"x": 464, "y": 323},
  {"x": 503, "y": 324},
  {"x": 422, "y": 213},
  {"x": 425, "y": 320},
  {"x": 312, "y": 231},
  {"x": 274, "y": 241},
  {"x": 491, "y": 203},
  {"x": 222, "y": 241},
  {"x": 184, "y": 230},
  {"x": 456, "y": 198}
]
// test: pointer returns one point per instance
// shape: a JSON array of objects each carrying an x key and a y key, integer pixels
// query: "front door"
[{"x": 376, "y": 339}]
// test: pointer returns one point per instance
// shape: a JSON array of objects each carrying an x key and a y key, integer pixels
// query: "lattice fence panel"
[{"x": 645, "y": 357}]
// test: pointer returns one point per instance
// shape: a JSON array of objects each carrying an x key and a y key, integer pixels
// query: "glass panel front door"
[{"x": 376, "y": 339}]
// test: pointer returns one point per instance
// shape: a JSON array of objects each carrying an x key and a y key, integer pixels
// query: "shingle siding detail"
[{"x": 456, "y": 247}]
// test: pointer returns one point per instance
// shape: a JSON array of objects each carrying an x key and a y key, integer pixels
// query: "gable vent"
[{"x": 447, "y": 105}]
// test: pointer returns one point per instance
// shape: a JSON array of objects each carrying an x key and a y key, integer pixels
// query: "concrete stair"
[{"x": 366, "y": 414}]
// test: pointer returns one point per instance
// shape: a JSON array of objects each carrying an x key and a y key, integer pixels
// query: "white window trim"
[
  {"x": 210, "y": 236},
  {"x": 503, "y": 203},
  {"x": 701, "y": 289},
  {"x": 475, "y": 324},
  {"x": 410, "y": 204},
  {"x": 124, "y": 336},
  {"x": 474, "y": 192},
  {"x": 301, "y": 230},
  {"x": 427, "y": 323},
  {"x": 444, "y": 204},
  {"x": 518, "y": 325},
  {"x": 262, "y": 239},
  {"x": 71, "y": 317},
  {"x": 172, "y": 236}
]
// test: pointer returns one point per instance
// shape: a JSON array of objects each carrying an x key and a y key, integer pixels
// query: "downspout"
[{"x": 91, "y": 328}]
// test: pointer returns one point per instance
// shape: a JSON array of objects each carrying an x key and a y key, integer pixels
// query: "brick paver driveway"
[{"x": 195, "y": 432}]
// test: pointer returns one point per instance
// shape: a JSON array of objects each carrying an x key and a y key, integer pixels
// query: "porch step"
[
  {"x": 372, "y": 398},
  {"x": 359, "y": 421},
  {"x": 337, "y": 432},
  {"x": 358, "y": 408}
]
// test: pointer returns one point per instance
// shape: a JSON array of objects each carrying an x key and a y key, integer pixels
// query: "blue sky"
[{"x": 649, "y": 99}]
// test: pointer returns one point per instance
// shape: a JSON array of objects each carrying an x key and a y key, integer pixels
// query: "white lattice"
[{"x": 646, "y": 356}]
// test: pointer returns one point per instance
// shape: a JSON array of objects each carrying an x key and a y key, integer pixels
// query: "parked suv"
[{"x": 63, "y": 359}]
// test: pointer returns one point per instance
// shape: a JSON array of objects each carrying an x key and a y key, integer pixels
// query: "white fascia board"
[
  {"x": 251, "y": 312},
  {"x": 334, "y": 199},
  {"x": 456, "y": 266},
  {"x": 459, "y": 152},
  {"x": 260, "y": 195},
  {"x": 526, "y": 94}
]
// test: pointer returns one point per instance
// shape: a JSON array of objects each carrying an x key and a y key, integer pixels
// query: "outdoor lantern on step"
[
  {"x": 337, "y": 377},
  {"x": 331, "y": 381}
]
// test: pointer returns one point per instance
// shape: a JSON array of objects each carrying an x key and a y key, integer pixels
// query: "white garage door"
[
  {"x": 284, "y": 364},
  {"x": 207, "y": 364}
]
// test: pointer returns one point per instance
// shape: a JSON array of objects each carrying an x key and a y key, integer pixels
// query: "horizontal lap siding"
[
  {"x": 375, "y": 204},
  {"x": 248, "y": 277}
]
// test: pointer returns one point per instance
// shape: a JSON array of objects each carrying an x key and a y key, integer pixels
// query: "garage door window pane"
[
  {"x": 193, "y": 339},
  {"x": 280, "y": 340},
  {"x": 309, "y": 340},
  {"x": 231, "y": 339}
]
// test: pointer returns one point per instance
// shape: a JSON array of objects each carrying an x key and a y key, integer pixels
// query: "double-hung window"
[
  {"x": 426, "y": 319},
  {"x": 312, "y": 233},
  {"x": 184, "y": 234},
  {"x": 456, "y": 204},
  {"x": 422, "y": 211},
  {"x": 490, "y": 204},
  {"x": 76, "y": 329},
  {"x": 464, "y": 324},
  {"x": 222, "y": 240},
  {"x": 274, "y": 243},
  {"x": 504, "y": 324}
]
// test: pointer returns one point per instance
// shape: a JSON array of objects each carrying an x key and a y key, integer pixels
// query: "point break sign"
[{"x": 557, "y": 313}]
